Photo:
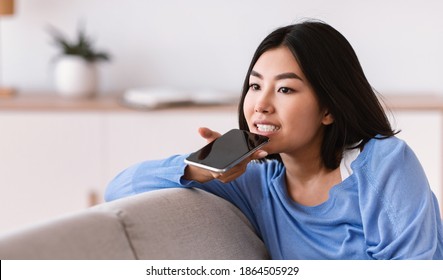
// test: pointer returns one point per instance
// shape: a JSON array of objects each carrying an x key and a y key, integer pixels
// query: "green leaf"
[{"x": 83, "y": 46}]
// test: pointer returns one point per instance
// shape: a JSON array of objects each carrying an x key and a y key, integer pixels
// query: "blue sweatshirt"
[{"x": 384, "y": 210}]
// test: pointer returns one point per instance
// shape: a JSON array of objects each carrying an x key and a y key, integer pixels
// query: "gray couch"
[{"x": 164, "y": 224}]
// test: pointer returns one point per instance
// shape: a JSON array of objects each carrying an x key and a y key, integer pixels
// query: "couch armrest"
[
  {"x": 186, "y": 224},
  {"x": 163, "y": 224}
]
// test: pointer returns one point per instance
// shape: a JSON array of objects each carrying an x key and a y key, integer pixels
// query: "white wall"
[{"x": 201, "y": 44}]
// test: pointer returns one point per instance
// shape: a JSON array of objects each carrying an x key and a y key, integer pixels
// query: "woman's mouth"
[{"x": 266, "y": 127}]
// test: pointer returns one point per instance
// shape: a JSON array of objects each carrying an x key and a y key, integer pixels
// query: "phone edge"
[{"x": 234, "y": 163}]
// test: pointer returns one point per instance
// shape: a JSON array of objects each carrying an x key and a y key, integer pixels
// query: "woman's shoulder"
[
  {"x": 382, "y": 149},
  {"x": 388, "y": 157}
]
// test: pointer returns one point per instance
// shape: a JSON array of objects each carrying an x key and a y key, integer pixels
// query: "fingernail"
[{"x": 262, "y": 154}]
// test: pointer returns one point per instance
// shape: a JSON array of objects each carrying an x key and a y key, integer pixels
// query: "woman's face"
[{"x": 282, "y": 105}]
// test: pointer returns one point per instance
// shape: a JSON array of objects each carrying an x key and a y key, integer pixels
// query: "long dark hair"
[{"x": 331, "y": 66}]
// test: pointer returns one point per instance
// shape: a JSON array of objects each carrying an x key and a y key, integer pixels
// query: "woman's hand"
[{"x": 202, "y": 175}]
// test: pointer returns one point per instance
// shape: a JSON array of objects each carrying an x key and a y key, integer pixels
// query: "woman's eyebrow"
[
  {"x": 288, "y": 75},
  {"x": 256, "y": 74}
]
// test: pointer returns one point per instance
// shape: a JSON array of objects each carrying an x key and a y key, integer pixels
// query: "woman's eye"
[
  {"x": 285, "y": 90},
  {"x": 254, "y": 86}
]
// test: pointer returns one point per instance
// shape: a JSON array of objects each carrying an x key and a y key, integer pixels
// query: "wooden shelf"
[
  {"x": 105, "y": 103},
  {"x": 413, "y": 102},
  {"x": 53, "y": 102}
]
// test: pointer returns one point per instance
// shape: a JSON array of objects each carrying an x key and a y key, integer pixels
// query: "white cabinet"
[{"x": 49, "y": 162}]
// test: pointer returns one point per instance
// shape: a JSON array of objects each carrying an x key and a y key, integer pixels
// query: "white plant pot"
[{"x": 75, "y": 77}]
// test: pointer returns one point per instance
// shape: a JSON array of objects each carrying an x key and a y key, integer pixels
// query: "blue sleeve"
[
  {"x": 167, "y": 173},
  {"x": 246, "y": 192},
  {"x": 147, "y": 176},
  {"x": 400, "y": 215}
]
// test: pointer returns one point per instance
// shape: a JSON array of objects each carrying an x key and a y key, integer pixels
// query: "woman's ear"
[{"x": 328, "y": 118}]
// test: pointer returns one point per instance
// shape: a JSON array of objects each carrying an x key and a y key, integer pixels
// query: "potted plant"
[{"x": 75, "y": 71}]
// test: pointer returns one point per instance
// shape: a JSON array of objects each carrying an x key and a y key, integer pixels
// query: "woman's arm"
[{"x": 147, "y": 176}]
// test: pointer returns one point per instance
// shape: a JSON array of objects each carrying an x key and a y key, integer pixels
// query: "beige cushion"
[{"x": 187, "y": 224}]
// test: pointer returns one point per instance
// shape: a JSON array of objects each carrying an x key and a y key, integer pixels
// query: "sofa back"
[{"x": 163, "y": 224}]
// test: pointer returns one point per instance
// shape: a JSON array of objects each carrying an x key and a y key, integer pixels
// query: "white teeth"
[{"x": 267, "y": 127}]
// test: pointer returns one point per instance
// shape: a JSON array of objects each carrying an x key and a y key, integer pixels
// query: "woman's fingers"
[
  {"x": 208, "y": 134},
  {"x": 239, "y": 169},
  {"x": 259, "y": 155}
]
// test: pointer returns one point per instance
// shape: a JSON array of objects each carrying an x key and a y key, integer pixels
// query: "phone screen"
[{"x": 227, "y": 151}]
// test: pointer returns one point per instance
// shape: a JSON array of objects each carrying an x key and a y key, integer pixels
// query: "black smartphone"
[{"x": 228, "y": 150}]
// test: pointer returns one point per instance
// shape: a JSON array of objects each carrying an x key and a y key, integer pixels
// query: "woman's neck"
[{"x": 308, "y": 180}]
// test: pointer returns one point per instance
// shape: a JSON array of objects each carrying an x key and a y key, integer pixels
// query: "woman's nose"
[
  {"x": 261, "y": 109},
  {"x": 263, "y": 104}
]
